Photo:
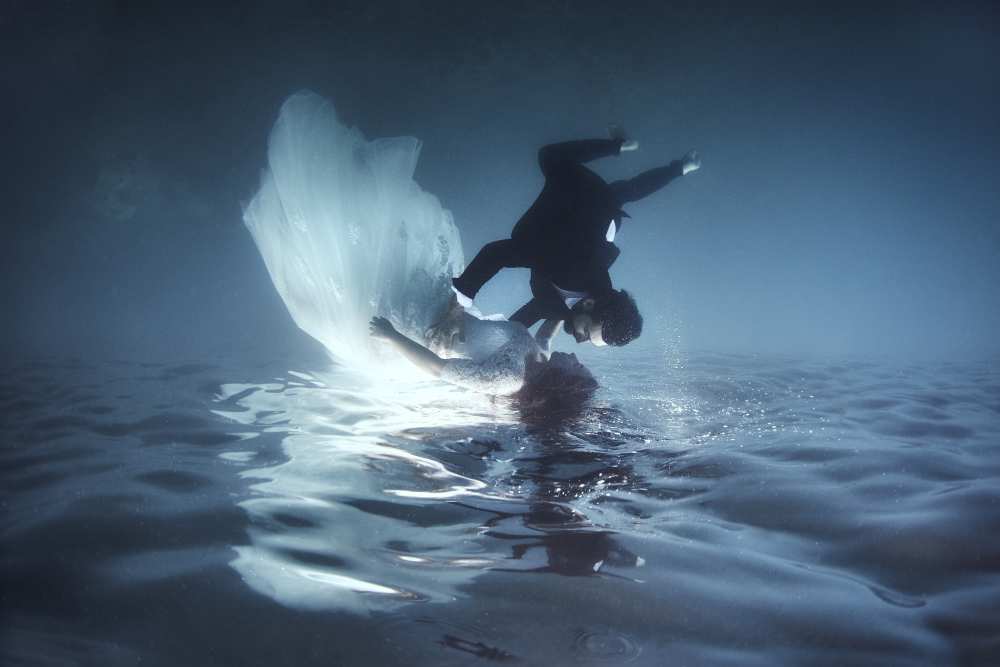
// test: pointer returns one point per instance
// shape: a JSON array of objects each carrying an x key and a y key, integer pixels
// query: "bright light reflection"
[
  {"x": 334, "y": 428},
  {"x": 347, "y": 582}
]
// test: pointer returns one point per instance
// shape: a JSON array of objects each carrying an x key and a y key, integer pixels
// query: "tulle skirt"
[{"x": 346, "y": 233}]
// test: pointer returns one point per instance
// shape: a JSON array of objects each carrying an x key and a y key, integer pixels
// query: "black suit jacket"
[{"x": 565, "y": 229}]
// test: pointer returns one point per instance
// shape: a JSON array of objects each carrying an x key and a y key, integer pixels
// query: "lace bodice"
[{"x": 495, "y": 352}]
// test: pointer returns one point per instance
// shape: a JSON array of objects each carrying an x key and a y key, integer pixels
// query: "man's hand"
[
  {"x": 690, "y": 162},
  {"x": 618, "y": 132},
  {"x": 381, "y": 328},
  {"x": 546, "y": 333}
]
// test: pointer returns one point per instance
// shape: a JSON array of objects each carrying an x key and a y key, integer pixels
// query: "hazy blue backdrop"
[{"x": 846, "y": 206}]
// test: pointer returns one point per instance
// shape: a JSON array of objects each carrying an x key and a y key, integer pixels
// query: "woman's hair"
[
  {"x": 562, "y": 375},
  {"x": 554, "y": 391},
  {"x": 622, "y": 322}
]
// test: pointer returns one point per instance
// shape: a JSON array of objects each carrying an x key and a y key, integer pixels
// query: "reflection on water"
[
  {"x": 725, "y": 511},
  {"x": 404, "y": 493}
]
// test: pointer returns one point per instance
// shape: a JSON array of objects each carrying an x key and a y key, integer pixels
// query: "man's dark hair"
[{"x": 622, "y": 322}]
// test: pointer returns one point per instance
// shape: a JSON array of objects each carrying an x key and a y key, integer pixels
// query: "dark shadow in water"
[
  {"x": 478, "y": 649},
  {"x": 579, "y": 447},
  {"x": 575, "y": 455}
]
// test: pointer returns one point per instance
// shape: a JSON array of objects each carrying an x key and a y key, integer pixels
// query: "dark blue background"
[{"x": 846, "y": 205}]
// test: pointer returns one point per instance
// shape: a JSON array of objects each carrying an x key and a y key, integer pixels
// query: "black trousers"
[
  {"x": 512, "y": 253},
  {"x": 503, "y": 254}
]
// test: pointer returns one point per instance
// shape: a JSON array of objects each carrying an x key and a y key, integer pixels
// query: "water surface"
[{"x": 727, "y": 510}]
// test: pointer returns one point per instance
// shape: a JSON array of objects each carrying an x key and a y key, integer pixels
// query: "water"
[{"x": 727, "y": 510}]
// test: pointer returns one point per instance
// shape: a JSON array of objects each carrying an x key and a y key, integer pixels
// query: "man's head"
[{"x": 611, "y": 319}]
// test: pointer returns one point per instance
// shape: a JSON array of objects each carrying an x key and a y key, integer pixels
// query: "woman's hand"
[{"x": 381, "y": 328}]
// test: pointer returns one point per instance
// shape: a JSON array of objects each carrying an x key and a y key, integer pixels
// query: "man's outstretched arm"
[
  {"x": 546, "y": 333},
  {"x": 546, "y": 304},
  {"x": 585, "y": 150},
  {"x": 650, "y": 181},
  {"x": 577, "y": 152}
]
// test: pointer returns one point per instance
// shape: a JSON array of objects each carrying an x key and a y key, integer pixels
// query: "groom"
[{"x": 567, "y": 239}]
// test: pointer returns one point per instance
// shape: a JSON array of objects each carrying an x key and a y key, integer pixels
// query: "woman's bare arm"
[{"x": 419, "y": 355}]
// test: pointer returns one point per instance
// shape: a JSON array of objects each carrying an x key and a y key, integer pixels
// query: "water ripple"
[{"x": 729, "y": 509}]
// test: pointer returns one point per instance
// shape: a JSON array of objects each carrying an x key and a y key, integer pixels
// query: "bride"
[
  {"x": 498, "y": 357},
  {"x": 361, "y": 255}
]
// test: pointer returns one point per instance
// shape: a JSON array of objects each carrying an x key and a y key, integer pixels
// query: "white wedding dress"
[
  {"x": 347, "y": 234},
  {"x": 493, "y": 358}
]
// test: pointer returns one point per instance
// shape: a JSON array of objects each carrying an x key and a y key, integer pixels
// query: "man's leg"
[{"x": 493, "y": 257}]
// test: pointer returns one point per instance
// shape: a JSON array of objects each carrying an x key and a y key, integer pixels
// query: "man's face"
[
  {"x": 583, "y": 327},
  {"x": 579, "y": 327}
]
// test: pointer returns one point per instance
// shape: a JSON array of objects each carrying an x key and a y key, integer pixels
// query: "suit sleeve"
[
  {"x": 530, "y": 313},
  {"x": 553, "y": 156},
  {"x": 545, "y": 304},
  {"x": 647, "y": 182}
]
